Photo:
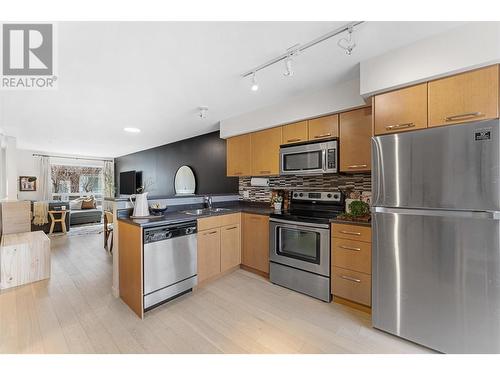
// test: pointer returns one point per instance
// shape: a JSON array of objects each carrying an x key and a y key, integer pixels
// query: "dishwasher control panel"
[{"x": 167, "y": 232}]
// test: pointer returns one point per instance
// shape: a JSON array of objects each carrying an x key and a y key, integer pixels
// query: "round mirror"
[{"x": 185, "y": 182}]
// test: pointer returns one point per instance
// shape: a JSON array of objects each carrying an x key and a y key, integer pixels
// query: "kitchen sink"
[
  {"x": 205, "y": 211},
  {"x": 219, "y": 209}
]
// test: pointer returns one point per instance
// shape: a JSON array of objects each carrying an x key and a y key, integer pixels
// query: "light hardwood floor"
[{"x": 74, "y": 312}]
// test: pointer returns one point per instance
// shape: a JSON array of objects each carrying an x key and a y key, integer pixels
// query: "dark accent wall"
[{"x": 205, "y": 154}]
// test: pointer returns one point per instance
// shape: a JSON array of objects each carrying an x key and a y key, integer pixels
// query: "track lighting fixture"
[
  {"x": 347, "y": 43},
  {"x": 255, "y": 85},
  {"x": 203, "y": 112}
]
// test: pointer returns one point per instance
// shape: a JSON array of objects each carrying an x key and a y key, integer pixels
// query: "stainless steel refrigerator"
[{"x": 436, "y": 236}]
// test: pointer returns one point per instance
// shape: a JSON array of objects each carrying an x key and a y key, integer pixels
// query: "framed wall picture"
[{"x": 27, "y": 183}]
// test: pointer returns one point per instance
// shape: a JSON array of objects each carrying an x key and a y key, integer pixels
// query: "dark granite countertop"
[{"x": 179, "y": 216}]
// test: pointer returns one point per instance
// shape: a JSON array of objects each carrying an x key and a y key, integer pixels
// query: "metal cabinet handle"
[
  {"x": 238, "y": 173},
  {"x": 214, "y": 232},
  {"x": 357, "y": 166},
  {"x": 352, "y": 233},
  {"x": 293, "y": 140},
  {"x": 349, "y": 278},
  {"x": 323, "y": 135},
  {"x": 265, "y": 171},
  {"x": 464, "y": 116},
  {"x": 400, "y": 126},
  {"x": 231, "y": 228},
  {"x": 350, "y": 248}
]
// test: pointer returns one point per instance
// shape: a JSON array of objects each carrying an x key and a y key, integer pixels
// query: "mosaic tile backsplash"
[{"x": 359, "y": 182}]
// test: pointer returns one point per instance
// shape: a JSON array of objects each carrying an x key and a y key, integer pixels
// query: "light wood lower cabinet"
[
  {"x": 219, "y": 245},
  {"x": 351, "y": 285},
  {"x": 255, "y": 253},
  {"x": 208, "y": 253},
  {"x": 351, "y": 263},
  {"x": 230, "y": 247},
  {"x": 464, "y": 97}
]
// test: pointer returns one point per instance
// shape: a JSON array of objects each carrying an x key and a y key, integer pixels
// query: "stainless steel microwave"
[{"x": 310, "y": 158}]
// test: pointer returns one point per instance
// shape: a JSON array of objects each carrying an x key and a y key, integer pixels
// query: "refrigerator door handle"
[{"x": 494, "y": 215}]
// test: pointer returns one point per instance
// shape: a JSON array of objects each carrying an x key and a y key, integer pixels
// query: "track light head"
[
  {"x": 288, "y": 67},
  {"x": 255, "y": 85},
  {"x": 347, "y": 43}
]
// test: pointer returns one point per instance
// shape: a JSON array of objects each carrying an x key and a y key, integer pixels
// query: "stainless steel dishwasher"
[{"x": 170, "y": 262}]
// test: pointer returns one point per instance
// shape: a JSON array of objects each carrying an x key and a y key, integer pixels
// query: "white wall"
[
  {"x": 11, "y": 168},
  {"x": 463, "y": 48},
  {"x": 27, "y": 165},
  {"x": 324, "y": 101}
]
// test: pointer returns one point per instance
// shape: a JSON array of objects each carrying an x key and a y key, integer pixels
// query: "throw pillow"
[
  {"x": 88, "y": 204},
  {"x": 76, "y": 204}
]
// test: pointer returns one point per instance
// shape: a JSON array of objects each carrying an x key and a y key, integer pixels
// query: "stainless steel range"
[{"x": 300, "y": 243}]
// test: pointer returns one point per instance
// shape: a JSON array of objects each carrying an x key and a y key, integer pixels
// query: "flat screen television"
[{"x": 130, "y": 181}]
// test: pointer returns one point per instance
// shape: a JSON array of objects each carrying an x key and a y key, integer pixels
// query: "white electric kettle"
[{"x": 141, "y": 207}]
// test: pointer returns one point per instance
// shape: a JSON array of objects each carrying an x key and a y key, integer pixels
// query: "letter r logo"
[{"x": 27, "y": 49}]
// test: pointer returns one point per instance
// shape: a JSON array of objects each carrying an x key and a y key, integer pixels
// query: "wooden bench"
[{"x": 24, "y": 258}]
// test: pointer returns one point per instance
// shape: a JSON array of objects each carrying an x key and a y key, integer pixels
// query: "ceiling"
[{"x": 155, "y": 75}]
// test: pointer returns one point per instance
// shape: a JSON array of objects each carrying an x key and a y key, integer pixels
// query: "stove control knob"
[
  {"x": 329, "y": 195},
  {"x": 301, "y": 195},
  {"x": 295, "y": 195}
]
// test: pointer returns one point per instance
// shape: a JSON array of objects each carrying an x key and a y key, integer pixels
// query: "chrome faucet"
[{"x": 208, "y": 201}]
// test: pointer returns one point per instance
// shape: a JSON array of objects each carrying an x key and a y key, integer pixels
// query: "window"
[{"x": 71, "y": 182}]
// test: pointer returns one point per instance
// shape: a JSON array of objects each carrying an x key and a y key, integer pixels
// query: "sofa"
[
  {"x": 84, "y": 211},
  {"x": 85, "y": 216}
]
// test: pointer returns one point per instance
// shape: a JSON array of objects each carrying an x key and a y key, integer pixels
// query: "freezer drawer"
[{"x": 436, "y": 278}]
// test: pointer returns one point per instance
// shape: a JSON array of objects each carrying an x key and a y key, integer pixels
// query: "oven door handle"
[{"x": 300, "y": 223}]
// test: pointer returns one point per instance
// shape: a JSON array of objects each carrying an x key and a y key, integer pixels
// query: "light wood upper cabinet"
[
  {"x": 265, "y": 152},
  {"x": 293, "y": 133},
  {"x": 323, "y": 127},
  {"x": 255, "y": 252},
  {"x": 239, "y": 155},
  {"x": 355, "y": 140},
  {"x": 209, "y": 242},
  {"x": 464, "y": 97},
  {"x": 230, "y": 247},
  {"x": 401, "y": 110}
]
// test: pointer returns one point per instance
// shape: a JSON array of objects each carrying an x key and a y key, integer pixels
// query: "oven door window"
[
  {"x": 303, "y": 161},
  {"x": 299, "y": 244}
]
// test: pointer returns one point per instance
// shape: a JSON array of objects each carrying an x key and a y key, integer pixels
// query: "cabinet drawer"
[
  {"x": 209, "y": 222},
  {"x": 352, "y": 285},
  {"x": 352, "y": 232},
  {"x": 218, "y": 221},
  {"x": 230, "y": 219},
  {"x": 352, "y": 255}
]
